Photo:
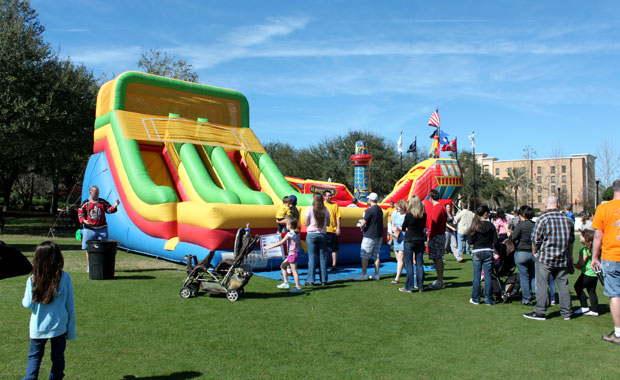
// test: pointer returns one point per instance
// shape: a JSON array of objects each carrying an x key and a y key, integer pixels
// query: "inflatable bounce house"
[{"x": 189, "y": 172}]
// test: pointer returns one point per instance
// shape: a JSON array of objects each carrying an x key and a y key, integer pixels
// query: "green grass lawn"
[{"x": 137, "y": 327}]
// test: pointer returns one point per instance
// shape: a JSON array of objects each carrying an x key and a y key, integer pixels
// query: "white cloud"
[{"x": 102, "y": 56}]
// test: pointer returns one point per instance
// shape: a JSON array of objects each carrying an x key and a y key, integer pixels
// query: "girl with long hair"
[
  {"x": 524, "y": 258},
  {"x": 587, "y": 279},
  {"x": 413, "y": 226},
  {"x": 483, "y": 237},
  {"x": 316, "y": 218},
  {"x": 49, "y": 294},
  {"x": 397, "y": 219}
]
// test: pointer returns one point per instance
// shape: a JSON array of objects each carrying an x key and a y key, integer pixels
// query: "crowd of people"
[{"x": 543, "y": 256}]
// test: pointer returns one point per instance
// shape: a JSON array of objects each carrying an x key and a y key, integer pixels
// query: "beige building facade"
[{"x": 572, "y": 179}]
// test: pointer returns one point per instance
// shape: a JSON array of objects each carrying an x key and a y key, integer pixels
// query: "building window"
[
  {"x": 563, "y": 168},
  {"x": 553, "y": 170},
  {"x": 540, "y": 189},
  {"x": 552, "y": 179},
  {"x": 538, "y": 179},
  {"x": 564, "y": 179},
  {"x": 540, "y": 199},
  {"x": 496, "y": 171},
  {"x": 539, "y": 170}
]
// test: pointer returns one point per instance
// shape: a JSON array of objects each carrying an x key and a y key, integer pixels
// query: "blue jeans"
[
  {"x": 463, "y": 243},
  {"x": 35, "y": 356},
  {"x": 482, "y": 258},
  {"x": 316, "y": 251},
  {"x": 526, "y": 263},
  {"x": 552, "y": 291},
  {"x": 414, "y": 276}
]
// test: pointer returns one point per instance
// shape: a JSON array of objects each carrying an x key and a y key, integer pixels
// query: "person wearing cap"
[
  {"x": 372, "y": 226},
  {"x": 283, "y": 211},
  {"x": 293, "y": 212}
]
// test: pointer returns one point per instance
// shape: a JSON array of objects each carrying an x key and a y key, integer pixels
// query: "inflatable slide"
[{"x": 188, "y": 170}]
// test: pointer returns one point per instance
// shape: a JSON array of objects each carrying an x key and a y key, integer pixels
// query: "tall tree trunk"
[{"x": 7, "y": 186}]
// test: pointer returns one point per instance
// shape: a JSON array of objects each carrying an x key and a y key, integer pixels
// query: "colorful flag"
[
  {"x": 400, "y": 142},
  {"x": 413, "y": 147},
  {"x": 434, "y": 120},
  {"x": 450, "y": 147},
  {"x": 471, "y": 137}
]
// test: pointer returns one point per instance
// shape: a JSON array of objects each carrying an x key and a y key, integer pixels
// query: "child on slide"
[{"x": 292, "y": 237}]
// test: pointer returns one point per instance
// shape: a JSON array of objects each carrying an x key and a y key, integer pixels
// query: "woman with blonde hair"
[
  {"x": 413, "y": 226},
  {"x": 397, "y": 219},
  {"x": 317, "y": 218}
]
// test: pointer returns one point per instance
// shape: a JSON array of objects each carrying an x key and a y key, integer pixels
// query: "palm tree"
[{"x": 517, "y": 178}]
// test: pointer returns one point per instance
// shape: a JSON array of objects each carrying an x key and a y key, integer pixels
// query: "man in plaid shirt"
[{"x": 552, "y": 243}]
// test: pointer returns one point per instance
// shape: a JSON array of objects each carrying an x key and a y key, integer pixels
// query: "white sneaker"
[
  {"x": 375, "y": 277},
  {"x": 591, "y": 313},
  {"x": 437, "y": 285},
  {"x": 361, "y": 277},
  {"x": 284, "y": 285},
  {"x": 471, "y": 301},
  {"x": 582, "y": 310}
]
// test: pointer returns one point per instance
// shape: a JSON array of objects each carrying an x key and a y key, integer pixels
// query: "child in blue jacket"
[{"x": 49, "y": 294}]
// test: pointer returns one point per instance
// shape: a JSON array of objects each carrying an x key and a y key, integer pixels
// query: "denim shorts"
[
  {"x": 437, "y": 247},
  {"x": 611, "y": 274},
  {"x": 370, "y": 248},
  {"x": 88, "y": 234}
]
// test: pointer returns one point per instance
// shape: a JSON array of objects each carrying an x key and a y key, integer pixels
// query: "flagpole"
[{"x": 474, "y": 153}]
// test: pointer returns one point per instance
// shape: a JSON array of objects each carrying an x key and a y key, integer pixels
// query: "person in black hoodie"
[
  {"x": 524, "y": 258},
  {"x": 415, "y": 236},
  {"x": 483, "y": 237}
]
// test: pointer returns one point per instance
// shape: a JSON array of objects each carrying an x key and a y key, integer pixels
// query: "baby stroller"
[
  {"x": 505, "y": 280},
  {"x": 227, "y": 277}
]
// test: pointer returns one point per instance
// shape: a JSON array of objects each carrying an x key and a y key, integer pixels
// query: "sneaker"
[
  {"x": 612, "y": 338},
  {"x": 296, "y": 290},
  {"x": 375, "y": 277},
  {"x": 582, "y": 310},
  {"x": 284, "y": 285},
  {"x": 307, "y": 283},
  {"x": 471, "y": 301},
  {"x": 568, "y": 318},
  {"x": 535, "y": 316},
  {"x": 437, "y": 285},
  {"x": 553, "y": 302},
  {"x": 361, "y": 277},
  {"x": 527, "y": 303},
  {"x": 404, "y": 290},
  {"x": 591, "y": 313}
]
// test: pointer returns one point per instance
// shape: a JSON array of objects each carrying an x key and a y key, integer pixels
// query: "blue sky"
[{"x": 539, "y": 73}]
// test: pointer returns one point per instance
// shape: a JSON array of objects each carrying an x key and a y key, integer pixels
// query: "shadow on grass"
[
  {"x": 133, "y": 277},
  {"x": 147, "y": 270},
  {"x": 26, "y": 249},
  {"x": 173, "y": 376}
]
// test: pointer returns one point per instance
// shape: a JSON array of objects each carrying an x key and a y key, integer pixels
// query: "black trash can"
[{"x": 101, "y": 259}]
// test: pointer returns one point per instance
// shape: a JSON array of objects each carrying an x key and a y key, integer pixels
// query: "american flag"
[{"x": 434, "y": 120}]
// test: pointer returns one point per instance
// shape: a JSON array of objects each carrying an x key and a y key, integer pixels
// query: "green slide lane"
[
  {"x": 200, "y": 178},
  {"x": 138, "y": 176},
  {"x": 277, "y": 181},
  {"x": 231, "y": 180}
]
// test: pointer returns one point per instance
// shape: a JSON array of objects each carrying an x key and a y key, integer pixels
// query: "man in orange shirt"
[{"x": 607, "y": 236}]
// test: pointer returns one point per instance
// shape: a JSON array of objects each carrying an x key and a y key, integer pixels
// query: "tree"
[
  {"x": 23, "y": 56},
  {"x": 607, "y": 163},
  {"x": 171, "y": 66},
  {"x": 517, "y": 178},
  {"x": 608, "y": 194},
  {"x": 529, "y": 154}
]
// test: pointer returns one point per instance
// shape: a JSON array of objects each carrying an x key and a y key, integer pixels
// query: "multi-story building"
[{"x": 572, "y": 179}]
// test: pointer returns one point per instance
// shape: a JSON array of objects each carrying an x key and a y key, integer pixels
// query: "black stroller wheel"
[
  {"x": 232, "y": 295},
  {"x": 185, "y": 292},
  {"x": 193, "y": 287}
]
